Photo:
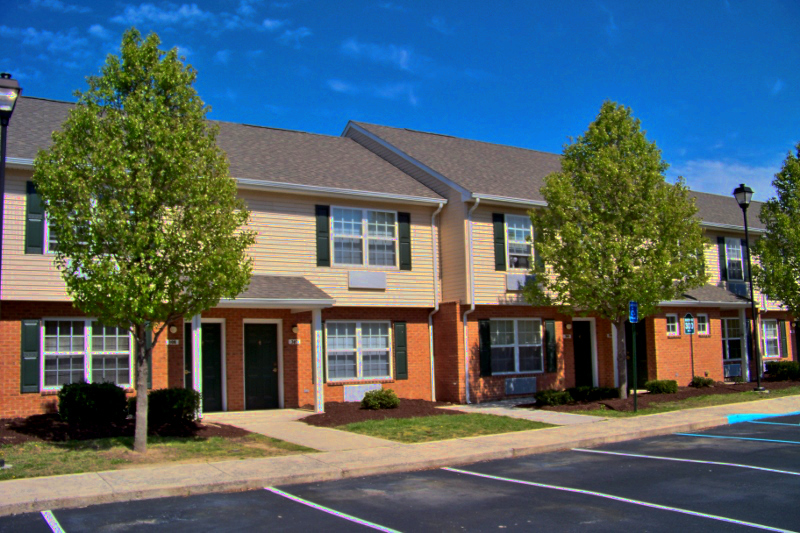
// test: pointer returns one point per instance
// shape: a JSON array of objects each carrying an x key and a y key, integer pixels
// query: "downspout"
[
  {"x": 471, "y": 301},
  {"x": 435, "y": 295}
]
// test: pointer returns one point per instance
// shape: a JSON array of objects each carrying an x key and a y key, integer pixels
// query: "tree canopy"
[
  {"x": 614, "y": 230},
  {"x": 140, "y": 201},
  {"x": 777, "y": 271}
]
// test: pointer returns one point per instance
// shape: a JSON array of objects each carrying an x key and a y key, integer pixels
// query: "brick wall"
[
  {"x": 674, "y": 352},
  {"x": 448, "y": 353},
  {"x": 12, "y": 402}
]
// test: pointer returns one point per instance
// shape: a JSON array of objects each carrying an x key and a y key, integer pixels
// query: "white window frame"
[
  {"x": 707, "y": 329},
  {"x": 47, "y": 248},
  {"x": 764, "y": 339},
  {"x": 87, "y": 352},
  {"x": 359, "y": 349},
  {"x": 742, "y": 337},
  {"x": 365, "y": 238},
  {"x": 728, "y": 258},
  {"x": 531, "y": 243},
  {"x": 517, "y": 345},
  {"x": 676, "y": 332}
]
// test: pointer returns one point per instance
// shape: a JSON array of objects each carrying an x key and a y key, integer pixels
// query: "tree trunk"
[
  {"x": 622, "y": 359},
  {"x": 142, "y": 360}
]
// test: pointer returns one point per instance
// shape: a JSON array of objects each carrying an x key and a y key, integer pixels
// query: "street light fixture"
[
  {"x": 9, "y": 94},
  {"x": 743, "y": 195}
]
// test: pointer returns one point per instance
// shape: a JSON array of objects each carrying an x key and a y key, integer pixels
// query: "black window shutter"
[
  {"x": 485, "y": 346},
  {"x": 537, "y": 259},
  {"x": 723, "y": 262},
  {"x": 745, "y": 251},
  {"x": 187, "y": 356},
  {"x": 323, "y": 213},
  {"x": 400, "y": 351},
  {"x": 29, "y": 365},
  {"x": 550, "y": 346},
  {"x": 148, "y": 343},
  {"x": 34, "y": 221},
  {"x": 782, "y": 334},
  {"x": 404, "y": 239},
  {"x": 499, "y": 223}
]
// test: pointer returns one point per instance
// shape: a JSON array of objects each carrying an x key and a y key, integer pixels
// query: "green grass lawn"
[
  {"x": 695, "y": 402},
  {"x": 35, "y": 459},
  {"x": 430, "y": 428}
]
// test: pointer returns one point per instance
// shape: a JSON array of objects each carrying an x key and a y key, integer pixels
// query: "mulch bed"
[
  {"x": 340, "y": 414},
  {"x": 648, "y": 399},
  {"x": 51, "y": 428}
]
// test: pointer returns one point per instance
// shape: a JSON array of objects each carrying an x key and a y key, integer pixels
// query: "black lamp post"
[
  {"x": 9, "y": 93},
  {"x": 743, "y": 195}
]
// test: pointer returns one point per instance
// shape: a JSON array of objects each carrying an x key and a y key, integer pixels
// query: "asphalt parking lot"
[{"x": 738, "y": 477}]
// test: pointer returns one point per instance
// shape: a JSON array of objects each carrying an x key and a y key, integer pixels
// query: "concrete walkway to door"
[{"x": 283, "y": 424}]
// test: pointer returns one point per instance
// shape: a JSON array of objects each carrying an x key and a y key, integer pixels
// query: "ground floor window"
[
  {"x": 83, "y": 349},
  {"x": 516, "y": 346},
  {"x": 702, "y": 325},
  {"x": 771, "y": 338},
  {"x": 731, "y": 338},
  {"x": 356, "y": 350},
  {"x": 672, "y": 325}
]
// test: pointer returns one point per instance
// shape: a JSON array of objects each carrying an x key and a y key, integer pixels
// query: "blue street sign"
[
  {"x": 688, "y": 324},
  {"x": 633, "y": 313}
]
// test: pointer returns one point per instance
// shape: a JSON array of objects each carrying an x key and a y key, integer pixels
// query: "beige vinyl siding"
[
  {"x": 286, "y": 245},
  {"x": 25, "y": 276}
]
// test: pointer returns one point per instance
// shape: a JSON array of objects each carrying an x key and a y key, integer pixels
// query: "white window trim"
[
  {"x": 517, "y": 345},
  {"x": 725, "y": 338},
  {"x": 677, "y": 332},
  {"x": 47, "y": 249},
  {"x": 764, "y": 338},
  {"x": 365, "y": 239},
  {"x": 359, "y": 361},
  {"x": 708, "y": 324},
  {"x": 505, "y": 239},
  {"x": 87, "y": 352},
  {"x": 727, "y": 259}
]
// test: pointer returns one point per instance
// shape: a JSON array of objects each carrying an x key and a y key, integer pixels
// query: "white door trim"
[
  {"x": 279, "y": 323},
  {"x": 593, "y": 339}
]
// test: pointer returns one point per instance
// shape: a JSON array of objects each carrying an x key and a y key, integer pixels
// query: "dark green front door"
[
  {"x": 261, "y": 366},
  {"x": 641, "y": 353},
  {"x": 212, "y": 367}
]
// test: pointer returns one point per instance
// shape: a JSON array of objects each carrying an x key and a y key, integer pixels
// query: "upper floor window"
[
  {"x": 518, "y": 241},
  {"x": 364, "y": 237},
  {"x": 733, "y": 254}
]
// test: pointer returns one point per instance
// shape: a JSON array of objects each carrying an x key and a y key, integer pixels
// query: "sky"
[{"x": 715, "y": 83}]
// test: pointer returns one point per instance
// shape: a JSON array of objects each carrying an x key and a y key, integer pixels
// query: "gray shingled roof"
[
  {"x": 712, "y": 293},
  {"x": 254, "y": 152},
  {"x": 499, "y": 170},
  {"x": 283, "y": 288}
]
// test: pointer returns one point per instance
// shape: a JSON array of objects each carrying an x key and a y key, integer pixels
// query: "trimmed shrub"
[
  {"x": 173, "y": 406},
  {"x": 662, "y": 386},
  {"x": 783, "y": 370},
  {"x": 699, "y": 382},
  {"x": 553, "y": 397},
  {"x": 380, "y": 399},
  {"x": 91, "y": 403},
  {"x": 592, "y": 394}
]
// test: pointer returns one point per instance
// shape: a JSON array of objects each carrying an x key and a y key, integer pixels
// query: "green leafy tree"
[
  {"x": 777, "y": 271},
  {"x": 614, "y": 230},
  {"x": 140, "y": 200}
]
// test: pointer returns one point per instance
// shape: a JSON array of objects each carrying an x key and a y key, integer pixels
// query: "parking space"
[{"x": 731, "y": 478}]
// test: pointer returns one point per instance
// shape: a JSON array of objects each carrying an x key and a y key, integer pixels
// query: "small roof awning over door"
[
  {"x": 281, "y": 292},
  {"x": 709, "y": 296}
]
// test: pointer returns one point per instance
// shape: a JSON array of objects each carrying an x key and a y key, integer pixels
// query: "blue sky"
[{"x": 715, "y": 83}]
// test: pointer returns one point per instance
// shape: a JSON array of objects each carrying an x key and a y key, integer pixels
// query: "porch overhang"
[{"x": 280, "y": 292}]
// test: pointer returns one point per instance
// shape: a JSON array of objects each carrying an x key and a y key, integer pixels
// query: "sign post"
[
  {"x": 633, "y": 318},
  {"x": 688, "y": 329}
]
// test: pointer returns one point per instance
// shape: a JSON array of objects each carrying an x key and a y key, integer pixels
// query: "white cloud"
[
  {"x": 391, "y": 6},
  {"x": 391, "y": 54},
  {"x": 611, "y": 26},
  {"x": 293, "y": 37},
  {"x": 186, "y": 14},
  {"x": 222, "y": 56},
  {"x": 282, "y": 5},
  {"x": 386, "y": 91},
  {"x": 721, "y": 177},
  {"x": 777, "y": 87},
  {"x": 246, "y": 8},
  {"x": 184, "y": 51},
  {"x": 96, "y": 30},
  {"x": 59, "y": 6},
  {"x": 440, "y": 25},
  {"x": 55, "y": 42},
  {"x": 340, "y": 86},
  {"x": 274, "y": 24}
]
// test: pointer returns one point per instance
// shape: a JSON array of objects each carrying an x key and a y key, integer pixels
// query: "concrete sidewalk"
[{"x": 78, "y": 490}]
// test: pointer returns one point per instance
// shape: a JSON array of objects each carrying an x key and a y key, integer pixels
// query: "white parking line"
[
  {"x": 330, "y": 511},
  {"x": 50, "y": 518},
  {"x": 773, "y": 423},
  {"x": 624, "y": 500},
  {"x": 622, "y": 454},
  {"x": 736, "y": 438}
]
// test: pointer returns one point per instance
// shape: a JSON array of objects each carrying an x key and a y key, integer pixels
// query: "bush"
[
  {"x": 380, "y": 399},
  {"x": 592, "y": 394},
  {"x": 783, "y": 370},
  {"x": 173, "y": 406},
  {"x": 662, "y": 386},
  {"x": 91, "y": 403},
  {"x": 699, "y": 382},
  {"x": 553, "y": 397}
]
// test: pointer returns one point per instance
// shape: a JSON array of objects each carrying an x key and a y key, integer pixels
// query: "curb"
[{"x": 335, "y": 473}]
